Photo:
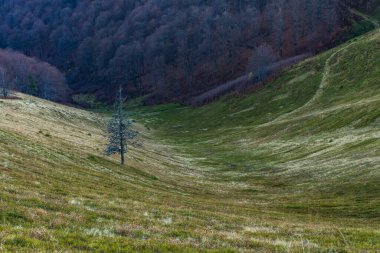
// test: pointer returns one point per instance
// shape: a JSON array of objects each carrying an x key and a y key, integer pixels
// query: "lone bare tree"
[
  {"x": 4, "y": 83},
  {"x": 119, "y": 130}
]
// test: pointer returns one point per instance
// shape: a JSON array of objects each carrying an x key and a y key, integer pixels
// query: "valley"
[{"x": 293, "y": 167}]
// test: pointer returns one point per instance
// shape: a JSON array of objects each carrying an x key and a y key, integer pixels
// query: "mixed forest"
[{"x": 172, "y": 49}]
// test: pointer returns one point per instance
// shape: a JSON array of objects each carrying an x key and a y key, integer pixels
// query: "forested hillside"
[
  {"x": 172, "y": 48},
  {"x": 29, "y": 75}
]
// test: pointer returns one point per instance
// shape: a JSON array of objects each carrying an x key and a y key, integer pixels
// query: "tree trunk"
[
  {"x": 122, "y": 158},
  {"x": 121, "y": 130}
]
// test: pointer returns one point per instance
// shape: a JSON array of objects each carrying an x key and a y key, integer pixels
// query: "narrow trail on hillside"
[
  {"x": 366, "y": 17},
  {"x": 319, "y": 92},
  {"x": 359, "y": 103}
]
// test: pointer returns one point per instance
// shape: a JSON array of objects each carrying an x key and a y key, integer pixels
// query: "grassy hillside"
[{"x": 292, "y": 168}]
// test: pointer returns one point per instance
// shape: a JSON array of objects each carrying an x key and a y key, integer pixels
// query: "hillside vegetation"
[
  {"x": 167, "y": 47},
  {"x": 293, "y": 167},
  {"x": 29, "y": 75}
]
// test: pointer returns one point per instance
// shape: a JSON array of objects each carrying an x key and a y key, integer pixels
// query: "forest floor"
[{"x": 294, "y": 167}]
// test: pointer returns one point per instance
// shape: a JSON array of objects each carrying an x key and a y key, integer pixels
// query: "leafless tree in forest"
[
  {"x": 4, "y": 83},
  {"x": 262, "y": 57}
]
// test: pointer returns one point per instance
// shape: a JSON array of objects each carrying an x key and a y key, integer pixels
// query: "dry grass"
[{"x": 229, "y": 177}]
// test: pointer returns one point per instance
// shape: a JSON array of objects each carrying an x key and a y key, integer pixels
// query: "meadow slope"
[{"x": 294, "y": 167}]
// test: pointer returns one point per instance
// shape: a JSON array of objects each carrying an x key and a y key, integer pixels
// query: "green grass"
[
  {"x": 293, "y": 167},
  {"x": 367, "y": 23},
  {"x": 323, "y": 156}
]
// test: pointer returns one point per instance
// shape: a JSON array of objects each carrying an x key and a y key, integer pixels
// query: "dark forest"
[{"x": 173, "y": 49}]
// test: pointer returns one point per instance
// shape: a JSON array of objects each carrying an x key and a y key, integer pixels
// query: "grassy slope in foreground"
[
  {"x": 309, "y": 143},
  {"x": 292, "y": 168}
]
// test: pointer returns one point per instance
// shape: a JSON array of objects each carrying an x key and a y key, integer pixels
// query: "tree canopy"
[{"x": 169, "y": 47}]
